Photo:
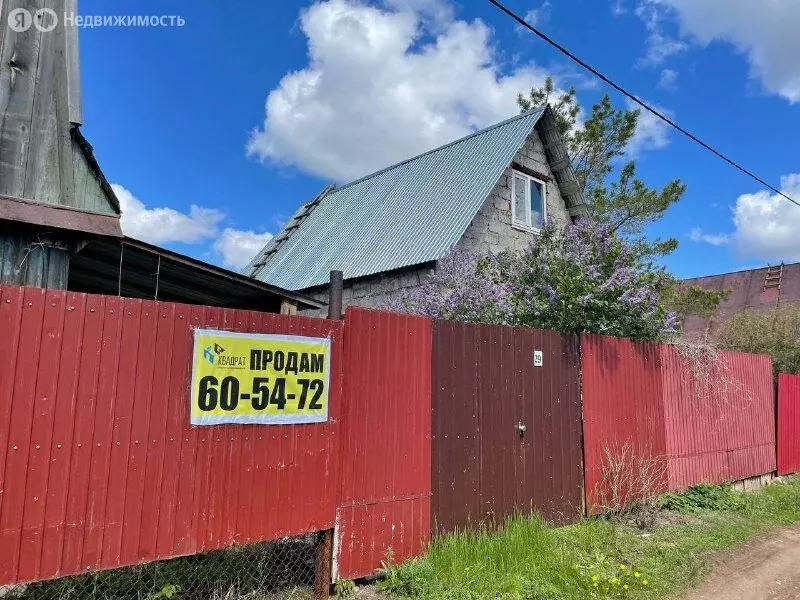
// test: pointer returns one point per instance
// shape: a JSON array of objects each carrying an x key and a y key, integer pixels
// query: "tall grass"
[{"x": 528, "y": 560}]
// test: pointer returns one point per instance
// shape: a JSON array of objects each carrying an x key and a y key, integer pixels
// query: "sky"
[{"x": 214, "y": 132}]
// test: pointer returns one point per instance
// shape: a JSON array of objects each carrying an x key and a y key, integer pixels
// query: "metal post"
[
  {"x": 335, "y": 295},
  {"x": 322, "y": 565}
]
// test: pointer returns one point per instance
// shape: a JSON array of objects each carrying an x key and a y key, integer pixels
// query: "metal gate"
[{"x": 506, "y": 425}]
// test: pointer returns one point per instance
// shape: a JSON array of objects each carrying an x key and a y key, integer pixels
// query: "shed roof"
[
  {"x": 408, "y": 214},
  {"x": 136, "y": 269}
]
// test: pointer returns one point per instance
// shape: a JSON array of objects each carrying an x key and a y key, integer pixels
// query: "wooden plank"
[
  {"x": 19, "y": 57},
  {"x": 42, "y": 178},
  {"x": 61, "y": 217},
  {"x": 73, "y": 67}
]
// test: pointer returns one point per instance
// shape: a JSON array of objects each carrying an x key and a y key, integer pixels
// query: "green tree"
[{"x": 613, "y": 193}]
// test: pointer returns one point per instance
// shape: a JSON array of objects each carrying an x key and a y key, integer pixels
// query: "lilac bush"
[{"x": 578, "y": 279}]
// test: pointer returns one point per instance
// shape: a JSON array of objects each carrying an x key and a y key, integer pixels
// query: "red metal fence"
[
  {"x": 712, "y": 418},
  {"x": 788, "y": 424},
  {"x": 506, "y": 433},
  {"x": 98, "y": 464},
  {"x": 99, "y": 467},
  {"x": 384, "y": 502}
]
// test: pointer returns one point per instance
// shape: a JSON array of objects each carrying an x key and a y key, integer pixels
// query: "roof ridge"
[{"x": 522, "y": 115}]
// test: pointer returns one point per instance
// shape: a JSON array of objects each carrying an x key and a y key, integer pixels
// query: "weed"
[
  {"x": 703, "y": 497},
  {"x": 345, "y": 589}
]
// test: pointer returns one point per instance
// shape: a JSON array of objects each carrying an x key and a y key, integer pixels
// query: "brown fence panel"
[
  {"x": 384, "y": 503},
  {"x": 99, "y": 467},
  {"x": 506, "y": 433}
]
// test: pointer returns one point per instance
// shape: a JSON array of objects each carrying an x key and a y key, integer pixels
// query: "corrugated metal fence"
[
  {"x": 384, "y": 501},
  {"x": 711, "y": 418},
  {"x": 429, "y": 422},
  {"x": 98, "y": 464},
  {"x": 506, "y": 433},
  {"x": 788, "y": 424}
]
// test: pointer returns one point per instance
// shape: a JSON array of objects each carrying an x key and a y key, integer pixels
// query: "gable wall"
[{"x": 491, "y": 230}]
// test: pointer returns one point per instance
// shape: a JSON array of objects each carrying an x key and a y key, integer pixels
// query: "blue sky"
[{"x": 204, "y": 165}]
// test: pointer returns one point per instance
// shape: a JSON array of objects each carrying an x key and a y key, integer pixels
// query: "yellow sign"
[{"x": 252, "y": 378}]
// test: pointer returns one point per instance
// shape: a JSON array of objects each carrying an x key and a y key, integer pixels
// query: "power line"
[{"x": 641, "y": 103}]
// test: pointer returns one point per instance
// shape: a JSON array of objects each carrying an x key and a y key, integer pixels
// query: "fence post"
[
  {"x": 335, "y": 295},
  {"x": 322, "y": 565}
]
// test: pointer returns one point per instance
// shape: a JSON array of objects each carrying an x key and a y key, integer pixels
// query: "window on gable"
[{"x": 529, "y": 206}]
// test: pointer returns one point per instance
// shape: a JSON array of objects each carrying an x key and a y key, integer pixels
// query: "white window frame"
[{"x": 525, "y": 223}]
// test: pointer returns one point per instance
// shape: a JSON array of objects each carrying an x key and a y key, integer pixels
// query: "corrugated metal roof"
[{"x": 408, "y": 214}]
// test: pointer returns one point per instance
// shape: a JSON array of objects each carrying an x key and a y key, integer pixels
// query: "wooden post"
[
  {"x": 335, "y": 295},
  {"x": 322, "y": 565}
]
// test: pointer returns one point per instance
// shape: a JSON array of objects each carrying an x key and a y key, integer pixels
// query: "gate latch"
[{"x": 521, "y": 428}]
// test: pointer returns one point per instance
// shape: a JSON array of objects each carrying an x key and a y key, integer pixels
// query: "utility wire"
[{"x": 641, "y": 103}]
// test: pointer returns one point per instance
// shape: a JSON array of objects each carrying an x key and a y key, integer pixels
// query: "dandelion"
[
  {"x": 625, "y": 587},
  {"x": 622, "y": 567},
  {"x": 645, "y": 582},
  {"x": 594, "y": 577},
  {"x": 595, "y": 584},
  {"x": 614, "y": 580},
  {"x": 637, "y": 574}
]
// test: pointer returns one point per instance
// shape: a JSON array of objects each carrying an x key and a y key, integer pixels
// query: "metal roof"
[
  {"x": 136, "y": 269},
  {"x": 408, "y": 214}
]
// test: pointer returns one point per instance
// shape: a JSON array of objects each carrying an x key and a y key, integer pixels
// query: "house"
[
  {"x": 758, "y": 289},
  {"x": 488, "y": 192},
  {"x": 59, "y": 217}
]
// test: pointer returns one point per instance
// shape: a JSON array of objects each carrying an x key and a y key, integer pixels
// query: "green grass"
[{"x": 527, "y": 560}]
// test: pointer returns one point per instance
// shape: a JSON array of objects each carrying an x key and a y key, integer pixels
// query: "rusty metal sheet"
[
  {"x": 99, "y": 467},
  {"x": 485, "y": 388},
  {"x": 788, "y": 424},
  {"x": 384, "y": 500}
]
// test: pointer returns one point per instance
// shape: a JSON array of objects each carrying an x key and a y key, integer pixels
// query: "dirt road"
[{"x": 766, "y": 568}]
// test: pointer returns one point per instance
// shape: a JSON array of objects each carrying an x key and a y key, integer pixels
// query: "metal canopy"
[{"x": 136, "y": 269}]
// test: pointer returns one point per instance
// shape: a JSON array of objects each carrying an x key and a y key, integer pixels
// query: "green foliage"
[
  {"x": 345, "y": 588},
  {"x": 528, "y": 560},
  {"x": 694, "y": 300},
  {"x": 615, "y": 196},
  {"x": 168, "y": 591},
  {"x": 703, "y": 497},
  {"x": 775, "y": 332}
]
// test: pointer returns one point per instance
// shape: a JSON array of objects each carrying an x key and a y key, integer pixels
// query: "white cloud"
[
  {"x": 766, "y": 32},
  {"x": 715, "y": 239},
  {"x": 768, "y": 225},
  {"x": 668, "y": 80},
  {"x": 537, "y": 16},
  {"x": 379, "y": 88},
  {"x": 164, "y": 225},
  {"x": 618, "y": 8},
  {"x": 237, "y": 248},
  {"x": 651, "y": 132},
  {"x": 660, "y": 45}
]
